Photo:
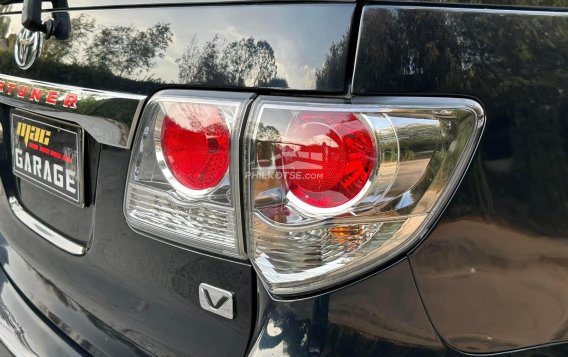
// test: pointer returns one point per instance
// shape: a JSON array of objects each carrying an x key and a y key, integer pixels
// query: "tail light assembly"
[
  {"x": 312, "y": 192},
  {"x": 183, "y": 181}
]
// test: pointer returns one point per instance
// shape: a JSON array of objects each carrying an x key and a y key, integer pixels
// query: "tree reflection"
[
  {"x": 95, "y": 56},
  {"x": 4, "y": 21},
  {"x": 332, "y": 73},
  {"x": 252, "y": 63},
  {"x": 517, "y": 65},
  {"x": 71, "y": 51},
  {"x": 123, "y": 51},
  {"x": 126, "y": 58},
  {"x": 127, "y": 51},
  {"x": 245, "y": 62}
]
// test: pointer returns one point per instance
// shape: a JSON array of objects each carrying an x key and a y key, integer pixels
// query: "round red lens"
[
  {"x": 328, "y": 158},
  {"x": 195, "y": 141}
]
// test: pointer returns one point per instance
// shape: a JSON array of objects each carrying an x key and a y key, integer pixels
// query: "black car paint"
[
  {"x": 379, "y": 316},
  {"x": 492, "y": 274},
  {"x": 140, "y": 292},
  {"x": 131, "y": 294},
  {"x": 80, "y": 228},
  {"x": 127, "y": 283},
  {"x": 299, "y": 36}
]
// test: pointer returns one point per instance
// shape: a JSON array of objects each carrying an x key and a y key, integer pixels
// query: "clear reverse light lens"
[
  {"x": 333, "y": 190},
  {"x": 183, "y": 182}
]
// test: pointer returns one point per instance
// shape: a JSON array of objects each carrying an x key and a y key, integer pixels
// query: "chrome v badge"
[
  {"x": 28, "y": 48},
  {"x": 217, "y": 301}
]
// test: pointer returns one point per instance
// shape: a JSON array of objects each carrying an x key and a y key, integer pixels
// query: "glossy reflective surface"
[
  {"x": 502, "y": 3},
  {"x": 109, "y": 117},
  {"x": 68, "y": 318},
  {"x": 72, "y": 224},
  {"x": 16, "y": 6},
  {"x": 300, "y": 47},
  {"x": 45, "y": 231},
  {"x": 23, "y": 332},
  {"x": 380, "y": 316},
  {"x": 130, "y": 294},
  {"x": 493, "y": 273},
  {"x": 128, "y": 289}
]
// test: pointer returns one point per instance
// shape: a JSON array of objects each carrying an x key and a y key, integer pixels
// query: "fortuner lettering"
[{"x": 39, "y": 95}]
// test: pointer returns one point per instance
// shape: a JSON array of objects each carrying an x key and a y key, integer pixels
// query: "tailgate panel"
[
  {"x": 141, "y": 293},
  {"x": 128, "y": 283}
]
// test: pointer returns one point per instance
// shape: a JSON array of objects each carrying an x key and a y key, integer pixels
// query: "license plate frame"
[{"x": 48, "y": 153}]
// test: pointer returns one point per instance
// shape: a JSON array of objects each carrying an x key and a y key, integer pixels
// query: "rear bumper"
[
  {"x": 36, "y": 317},
  {"x": 380, "y": 315},
  {"x": 24, "y": 332}
]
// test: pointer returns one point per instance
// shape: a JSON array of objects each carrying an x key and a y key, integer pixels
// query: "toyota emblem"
[{"x": 28, "y": 48}]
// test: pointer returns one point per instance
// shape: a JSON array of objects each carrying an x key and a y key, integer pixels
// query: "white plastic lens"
[
  {"x": 183, "y": 181},
  {"x": 332, "y": 190}
]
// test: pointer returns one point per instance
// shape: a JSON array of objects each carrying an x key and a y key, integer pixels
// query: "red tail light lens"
[
  {"x": 327, "y": 158},
  {"x": 335, "y": 188},
  {"x": 183, "y": 183},
  {"x": 195, "y": 142},
  {"x": 331, "y": 188}
]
